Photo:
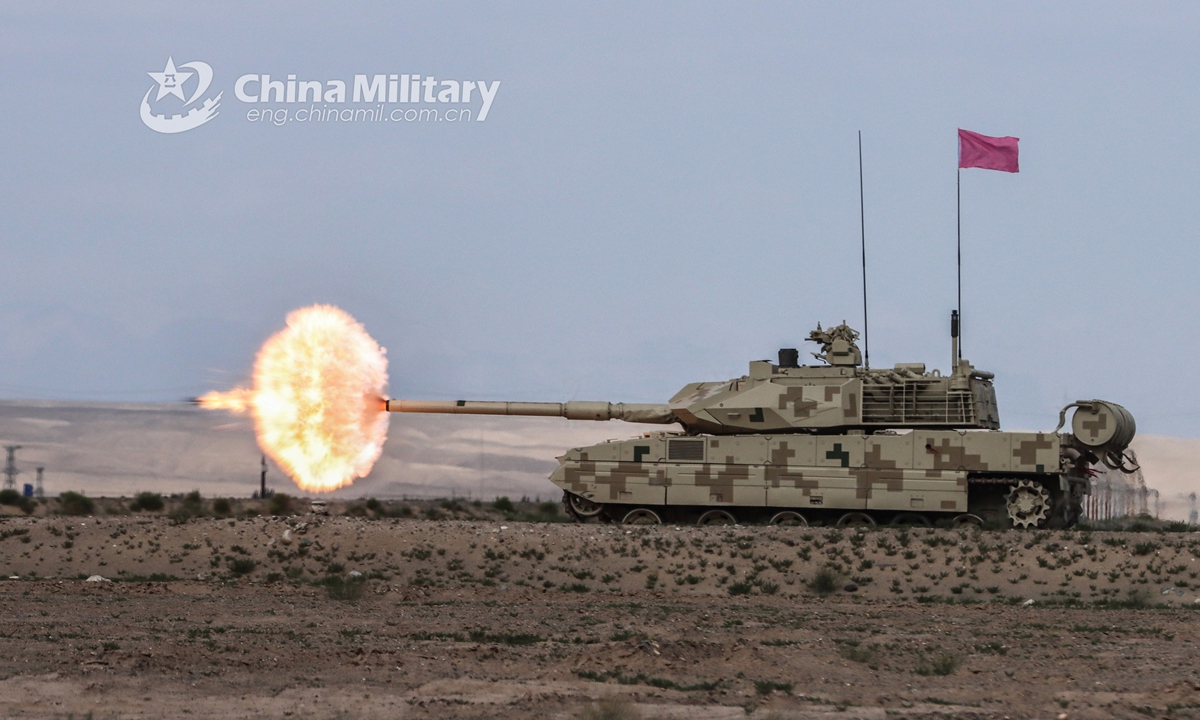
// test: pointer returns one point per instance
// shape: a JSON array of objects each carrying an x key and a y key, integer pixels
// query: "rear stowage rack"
[{"x": 920, "y": 401}]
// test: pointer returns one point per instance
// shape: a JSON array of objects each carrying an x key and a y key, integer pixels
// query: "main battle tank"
[{"x": 835, "y": 443}]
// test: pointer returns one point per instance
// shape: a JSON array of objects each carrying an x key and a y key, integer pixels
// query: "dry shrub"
[
  {"x": 943, "y": 664},
  {"x": 610, "y": 709},
  {"x": 824, "y": 582},
  {"x": 345, "y": 589},
  {"x": 74, "y": 503}
]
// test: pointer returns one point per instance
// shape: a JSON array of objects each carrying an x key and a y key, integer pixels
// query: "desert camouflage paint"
[{"x": 891, "y": 443}]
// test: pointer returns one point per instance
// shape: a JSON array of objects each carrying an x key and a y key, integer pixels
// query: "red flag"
[{"x": 989, "y": 153}]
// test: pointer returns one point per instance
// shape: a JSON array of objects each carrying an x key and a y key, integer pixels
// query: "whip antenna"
[{"x": 862, "y": 217}]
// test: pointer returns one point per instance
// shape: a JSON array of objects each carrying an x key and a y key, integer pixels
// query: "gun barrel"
[{"x": 575, "y": 410}]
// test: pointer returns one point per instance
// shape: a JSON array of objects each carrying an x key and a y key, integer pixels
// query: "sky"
[{"x": 659, "y": 194}]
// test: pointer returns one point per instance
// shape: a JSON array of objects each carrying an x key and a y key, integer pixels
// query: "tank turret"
[
  {"x": 836, "y": 442},
  {"x": 838, "y": 395}
]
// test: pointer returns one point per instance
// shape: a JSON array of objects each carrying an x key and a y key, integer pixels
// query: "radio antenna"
[{"x": 862, "y": 217}]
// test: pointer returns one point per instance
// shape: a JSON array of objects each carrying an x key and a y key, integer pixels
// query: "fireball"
[{"x": 317, "y": 400}]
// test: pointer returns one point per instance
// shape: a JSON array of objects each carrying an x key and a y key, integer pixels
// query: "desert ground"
[{"x": 372, "y": 614}]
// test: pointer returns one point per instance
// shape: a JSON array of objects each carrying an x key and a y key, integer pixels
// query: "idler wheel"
[
  {"x": 1028, "y": 504},
  {"x": 856, "y": 519},
  {"x": 716, "y": 517},
  {"x": 641, "y": 516},
  {"x": 789, "y": 518},
  {"x": 581, "y": 507}
]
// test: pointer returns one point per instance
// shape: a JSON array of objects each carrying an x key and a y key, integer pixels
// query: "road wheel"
[
  {"x": 910, "y": 519},
  {"x": 788, "y": 518},
  {"x": 641, "y": 516},
  {"x": 967, "y": 519},
  {"x": 716, "y": 517},
  {"x": 856, "y": 519}
]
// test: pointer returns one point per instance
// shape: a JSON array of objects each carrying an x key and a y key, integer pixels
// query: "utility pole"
[
  {"x": 10, "y": 467},
  {"x": 39, "y": 490}
]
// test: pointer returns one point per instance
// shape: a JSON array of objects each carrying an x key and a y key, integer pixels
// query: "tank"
[{"x": 833, "y": 443}]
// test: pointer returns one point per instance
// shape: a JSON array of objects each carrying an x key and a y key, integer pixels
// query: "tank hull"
[{"x": 919, "y": 476}]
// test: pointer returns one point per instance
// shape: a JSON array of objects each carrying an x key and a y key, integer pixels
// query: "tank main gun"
[{"x": 574, "y": 410}]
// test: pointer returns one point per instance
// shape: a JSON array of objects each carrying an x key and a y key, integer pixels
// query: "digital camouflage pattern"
[{"x": 835, "y": 442}]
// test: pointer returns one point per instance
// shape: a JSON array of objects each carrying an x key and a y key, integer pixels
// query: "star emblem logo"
[{"x": 170, "y": 81}]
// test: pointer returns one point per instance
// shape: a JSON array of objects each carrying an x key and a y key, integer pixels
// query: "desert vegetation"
[{"x": 612, "y": 619}]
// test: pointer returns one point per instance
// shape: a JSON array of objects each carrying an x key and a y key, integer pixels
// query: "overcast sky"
[{"x": 659, "y": 194}]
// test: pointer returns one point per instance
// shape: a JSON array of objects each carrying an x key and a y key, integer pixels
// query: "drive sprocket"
[{"x": 1028, "y": 504}]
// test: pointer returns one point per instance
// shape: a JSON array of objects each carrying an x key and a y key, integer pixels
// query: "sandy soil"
[{"x": 481, "y": 620}]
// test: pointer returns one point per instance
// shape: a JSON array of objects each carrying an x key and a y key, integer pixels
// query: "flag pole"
[
  {"x": 988, "y": 153},
  {"x": 862, "y": 218}
]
